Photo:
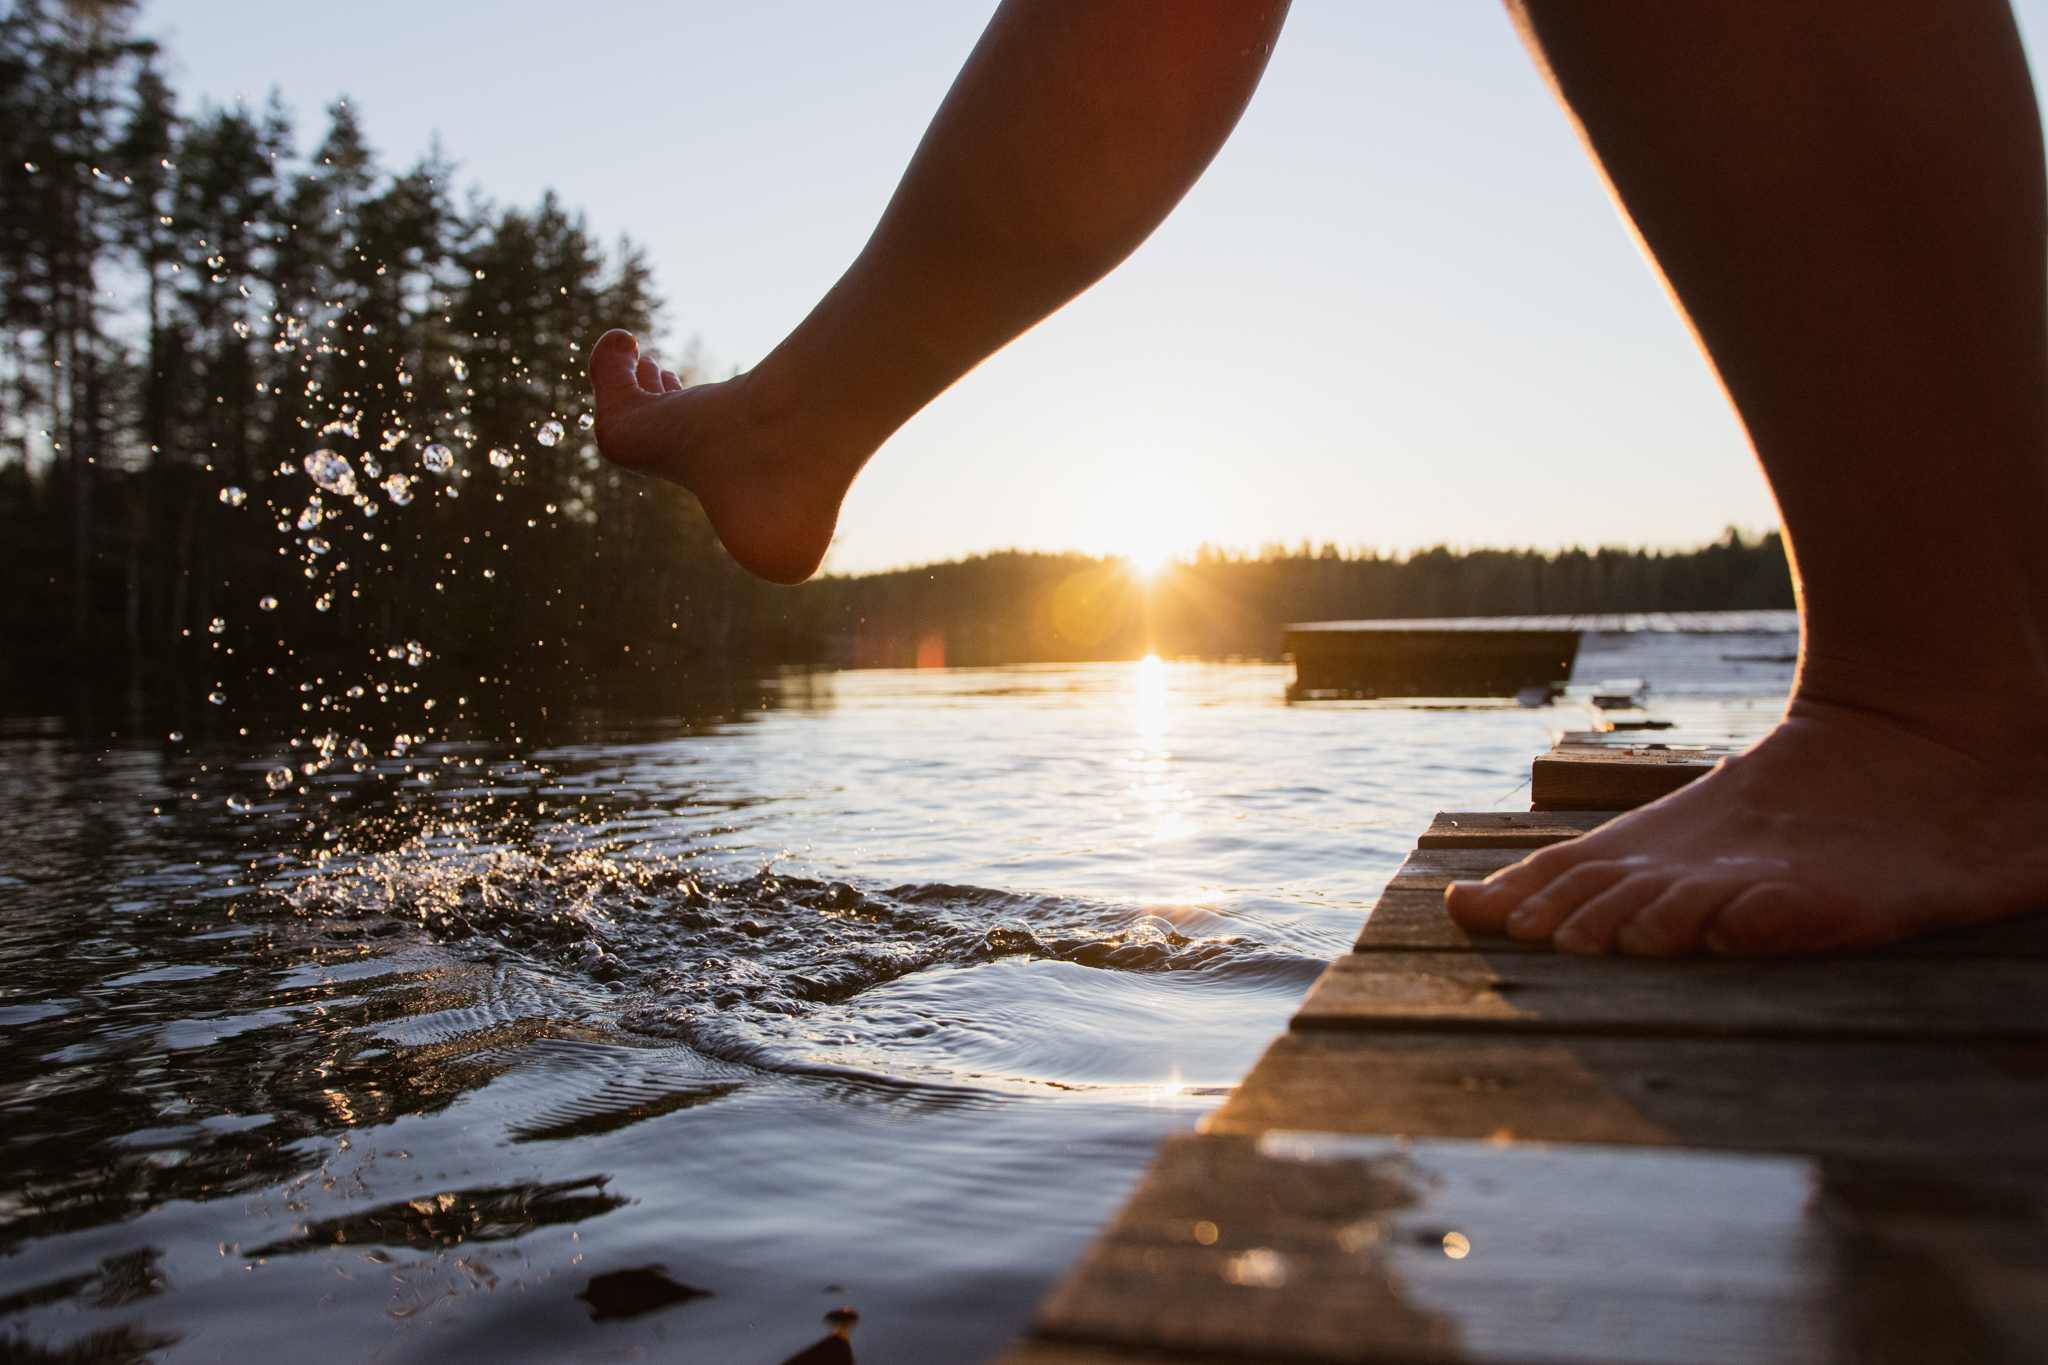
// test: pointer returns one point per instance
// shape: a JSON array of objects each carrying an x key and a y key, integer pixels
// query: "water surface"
[{"x": 878, "y": 994}]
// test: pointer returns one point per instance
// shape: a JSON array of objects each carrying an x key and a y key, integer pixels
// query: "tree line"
[{"x": 196, "y": 320}]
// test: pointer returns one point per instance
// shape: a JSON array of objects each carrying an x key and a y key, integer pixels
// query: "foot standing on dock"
[{"x": 1848, "y": 203}]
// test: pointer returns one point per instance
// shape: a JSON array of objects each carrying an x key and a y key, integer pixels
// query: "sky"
[{"x": 1399, "y": 310}]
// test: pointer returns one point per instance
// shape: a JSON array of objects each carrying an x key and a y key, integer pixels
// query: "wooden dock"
[
  {"x": 1476, "y": 1150},
  {"x": 1485, "y": 656}
]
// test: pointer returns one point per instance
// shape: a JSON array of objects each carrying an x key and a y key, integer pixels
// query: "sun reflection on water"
[{"x": 1152, "y": 791}]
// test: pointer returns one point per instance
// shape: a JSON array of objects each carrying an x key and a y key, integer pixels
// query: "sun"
[{"x": 1146, "y": 561}]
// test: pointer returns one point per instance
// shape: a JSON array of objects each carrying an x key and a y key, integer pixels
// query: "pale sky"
[{"x": 1398, "y": 311}]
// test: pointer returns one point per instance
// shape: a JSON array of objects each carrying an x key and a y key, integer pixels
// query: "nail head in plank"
[{"x": 1992, "y": 999}]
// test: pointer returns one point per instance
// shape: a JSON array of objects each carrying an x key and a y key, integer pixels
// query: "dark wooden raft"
[{"x": 1477, "y": 1150}]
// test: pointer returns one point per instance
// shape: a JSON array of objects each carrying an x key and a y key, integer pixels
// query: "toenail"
[{"x": 1521, "y": 917}]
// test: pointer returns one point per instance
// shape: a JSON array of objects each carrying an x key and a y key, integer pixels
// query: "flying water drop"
[
  {"x": 357, "y": 749},
  {"x": 310, "y": 518},
  {"x": 219, "y": 626},
  {"x": 331, "y": 472},
  {"x": 278, "y": 778},
  {"x": 398, "y": 488},
  {"x": 550, "y": 433},
  {"x": 217, "y": 698},
  {"x": 233, "y": 497},
  {"x": 586, "y": 422},
  {"x": 318, "y": 546},
  {"x": 461, "y": 370},
  {"x": 241, "y": 805},
  {"x": 323, "y": 601},
  {"x": 267, "y": 603},
  {"x": 1149, "y": 929},
  {"x": 438, "y": 458},
  {"x": 501, "y": 457}
]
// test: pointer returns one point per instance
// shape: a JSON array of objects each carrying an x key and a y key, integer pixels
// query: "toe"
[
  {"x": 1543, "y": 910},
  {"x": 1592, "y": 927},
  {"x": 669, "y": 382},
  {"x": 647, "y": 375},
  {"x": 1673, "y": 925},
  {"x": 1485, "y": 906},
  {"x": 1781, "y": 917},
  {"x": 611, "y": 363}
]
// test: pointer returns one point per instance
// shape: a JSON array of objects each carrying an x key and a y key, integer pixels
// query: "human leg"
[
  {"x": 1070, "y": 133},
  {"x": 1847, "y": 202}
]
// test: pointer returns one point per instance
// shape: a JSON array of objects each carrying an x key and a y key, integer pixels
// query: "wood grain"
[
  {"x": 1926, "y": 1103},
  {"x": 1986, "y": 999},
  {"x": 1508, "y": 829},
  {"x": 1590, "y": 779}
]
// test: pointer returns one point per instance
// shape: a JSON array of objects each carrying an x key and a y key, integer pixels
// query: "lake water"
[{"x": 877, "y": 994}]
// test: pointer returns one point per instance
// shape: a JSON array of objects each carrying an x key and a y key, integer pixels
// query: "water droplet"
[
  {"x": 490, "y": 573},
  {"x": 479, "y": 274},
  {"x": 331, "y": 472},
  {"x": 415, "y": 653},
  {"x": 395, "y": 652},
  {"x": 241, "y": 329},
  {"x": 241, "y": 805},
  {"x": 30, "y": 167},
  {"x": 358, "y": 749},
  {"x": 1149, "y": 929},
  {"x": 371, "y": 469},
  {"x": 310, "y": 518},
  {"x": 233, "y": 497},
  {"x": 323, "y": 601},
  {"x": 176, "y": 736},
  {"x": 550, "y": 433},
  {"x": 219, "y": 625},
  {"x": 438, "y": 458},
  {"x": 461, "y": 370},
  {"x": 398, "y": 488},
  {"x": 356, "y": 691},
  {"x": 400, "y": 743},
  {"x": 278, "y": 778},
  {"x": 217, "y": 698},
  {"x": 586, "y": 422},
  {"x": 501, "y": 457},
  {"x": 267, "y": 603},
  {"x": 318, "y": 546},
  {"x": 404, "y": 380}
]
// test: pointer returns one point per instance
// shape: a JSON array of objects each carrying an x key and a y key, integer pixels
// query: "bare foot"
[
  {"x": 771, "y": 501},
  {"x": 1842, "y": 828}
]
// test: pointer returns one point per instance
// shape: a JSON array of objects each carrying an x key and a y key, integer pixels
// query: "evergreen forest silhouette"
[{"x": 189, "y": 307}]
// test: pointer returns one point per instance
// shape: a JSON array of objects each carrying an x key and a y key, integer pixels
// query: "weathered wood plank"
[
  {"x": 1508, "y": 829},
  {"x": 1333, "y": 1248},
  {"x": 1587, "y": 779},
  {"x": 1884, "y": 1102},
  {"x": 1409, "y": 916},
  {"x": 1986, "y": 999}
]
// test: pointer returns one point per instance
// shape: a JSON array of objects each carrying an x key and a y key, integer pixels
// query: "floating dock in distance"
[{"x": 1478, "y": 656}]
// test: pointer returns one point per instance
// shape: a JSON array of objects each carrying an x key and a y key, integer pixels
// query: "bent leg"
[
  {"x": 1070, "y": 133},
  {"x": 1846, "y": 199}
]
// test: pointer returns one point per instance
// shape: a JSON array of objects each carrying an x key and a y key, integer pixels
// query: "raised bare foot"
[
  {"x": 772, "y": 501},
  {"x": 1842, "y": 828}
]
